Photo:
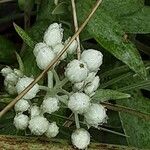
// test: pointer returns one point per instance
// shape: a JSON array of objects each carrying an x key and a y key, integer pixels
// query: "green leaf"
[
  {"x": 21, "y": 66},
  {"x": 107, "y": 94},
  {"x": 110, "y": 35},
  {"x": 25, "y": 37},
  {"x": 7, "y": 51},
  {"x": 138, "y": 22}
]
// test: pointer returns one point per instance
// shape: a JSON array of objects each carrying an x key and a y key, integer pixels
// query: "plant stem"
[
  {"x": 45, "y": 88},
  {"x": 77, "y": 120},
  {"x": 50, "y": 79}
]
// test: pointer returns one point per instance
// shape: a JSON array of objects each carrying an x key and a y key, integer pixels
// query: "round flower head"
[
  {"x": 34, "y": 111},
  {"x": 79, "y": 103},
  {"x": 50, "y": 105},
  {"x": 92, "y": 86},
  {"x": 92, "y": 58},
  {"x": 52, "y": 130},
  {"x": 11, "y": 89},
  {"x": 76, "y": 71},
  {"x": 38, "y": 125},
  {"x": 95, "y": 115},
  {"x": 11, "y": 78},
  {"x": 23, "y": 83},
  {"x": 73, "y": 46},
  {"x": 78, "y": 86},
  {"x": 58, "y": 48},
  {"x": 44, "y": 57},
  {"x": 53, "y": 35},
  {"x": 5, "y": 71},
  {"x": 80, "y": 138},
  {"x": 22, "y": 105},
  {"x": 21, "y": 121},
  {"x": 18, "y": 73}
]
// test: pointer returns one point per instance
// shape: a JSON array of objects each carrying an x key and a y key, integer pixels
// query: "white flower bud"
[
  {"x": 38, "y": 125},
  {"x": 78, "y": 86},
  {"x": 76, "y": 71},
  {"x": 52, "y": 130},
  {"x": 90, "y": 77},
  {"x": 92, "y": 86},
  {"x": 53, "y": 35},
  {"x": 58, "y": 48},
  {"x": 7, "y": 70},
  {"x": 11, "y": 78},
  {"x": 11, "y": 89},
  {"x": 44, "y": 57},
  {"x": 79, "y": 103},
  {"x": 18, "y": 73},
  {"x": 92, "y": 58},
  {"x": 34, "y": 111},
  {"x": 80, "y": 138},
  {"x": 22, "y": 105},
  {"x": 21, "y": 121},
  {"x": 23, "y": 83},
  {"x": 50, "y": 105},
  {"x": 73, "y": 46},
  {"x": 95, "y": 115}
]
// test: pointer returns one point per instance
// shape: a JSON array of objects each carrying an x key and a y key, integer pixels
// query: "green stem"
[
  {"x": 56, "y": 77},
  {"x": 77, "y": 120},
  {"x": 50, "y": 79},
  {"x": 45, "y": 88}
]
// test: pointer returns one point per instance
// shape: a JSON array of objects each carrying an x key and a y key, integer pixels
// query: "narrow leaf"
[{"x": 21, "y": 66}]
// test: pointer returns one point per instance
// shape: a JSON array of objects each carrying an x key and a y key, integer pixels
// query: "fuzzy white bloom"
[
  {"x": 7, "y": 70},
  {"x": 22, "y": 105},
  {"x": 92, "y": 86},
  {"x": 52, "y": 130},
  {"x": 90, "y": 77},
  {"x": 95, "y": 115},
  {"x": 21, "y": 121},
  {"x": 34, "y": 111},
  {"x": 50, "y": 105},
  {"x": 80, "y": 138},
  {"x": 53, "y": 35},
  {"x": 44, "y": 57},
  {"x": 38, "y": 125},
  {"x": 78, "y": 86},
  {"x": 76, "y": 71},
  {"x": 73, "y": 46},
  {"x": 11, "y": 78},
  {"x": 79, "y": 102},
  {"x": 11, "y": 89},
  {"x": 58, "y": 48},
  {"x": 23, "y": 83},
  {"x": 18, "y": 73},
  {"x": 92, "y": 58}
]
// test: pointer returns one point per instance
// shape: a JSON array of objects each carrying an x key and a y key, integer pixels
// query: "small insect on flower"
[
  {"x": 21, "y": 121},
  {"x": 38, "y": 125},
  {"x": 76, "y": 71},
  {"x": 79, "y": 102},
  {"x": 80, "y": 138}
]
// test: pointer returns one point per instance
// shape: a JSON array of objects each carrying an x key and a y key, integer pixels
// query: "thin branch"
[
  {"x": 54, "y": 61},
  {"x": 126, "y": 110},
  {"x": 4, "y": 1}
]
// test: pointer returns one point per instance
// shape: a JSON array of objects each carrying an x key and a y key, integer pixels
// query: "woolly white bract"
[
  {"x": 80, "y": 138},
  {"x": 34, "y": 111},
  {"x": 21, "y": 121},
  {"x": 92, "y": 58},
  {"x": 50, "y": 105},
  {"x": 79, "y": 102},
  {"x": 95, "y": 115},
  {"x": 11, "y": 79},
  {"x": 23, "y": 83},
  {"x": 7, "y": 70},
  {"x": 22, "y": 105},
  {"x": 76, "y": 71},
  {"x": 52, "y": 130},
  {"x": 38, "y": 125}
]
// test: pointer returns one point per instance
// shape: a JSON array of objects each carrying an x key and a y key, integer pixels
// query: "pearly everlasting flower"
[
  {"x": 22, "y": 105},
  {"x": 76, "y": 71},
  {"x": 78, "y": 86},
  {"x": 34, "y": 111},
  {"x": 80, "y": 138},
  {"x": 23, "y": 83},
  {"x": 11, "y": 89},
  {"x": 38, "y": 125},
  {"x": 52, "y": 130},
  {"x": 73, "y": 46},
  {"x": 79, "y": 102},
  {"x": 7, "y": 70},
  {"x": 53, "y": 35},
  {"x": 11, "y": 78},
  {"x": 57, "y": 50},
  {"x": 90, "y": 77},
  {"x": 50, "y": 105},
  {"x": 95, "y": 115},
  {"x": 21, "y": 121},
  {"x": 92, "y": 58},
  {"x": 44, "y": 57},
  {"x": 18, "y": 73},
  {"x": 92, "y": 86}
]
